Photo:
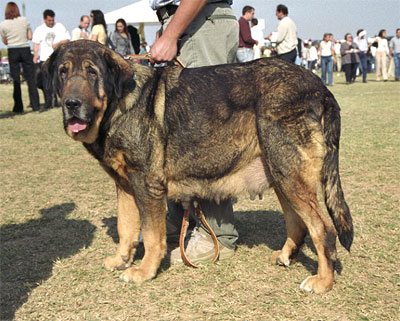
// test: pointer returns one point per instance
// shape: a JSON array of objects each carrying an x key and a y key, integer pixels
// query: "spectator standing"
[
  {"x": 350, "y": 59},
  {"x": 338, "y": 56},
  {"x": 394, "y": 52},
  {"x": 15, "y": 32},
  {"x": 135, "y": 39},
  {"x": 246, "y": 42},
  {"x": 312, "y": 56},
  {"x": 208, "y": 32},
  {"x": 381, "y": 52},
  {"x": 82, "y": 31},
  {"x": 46, "y": 38},
  {"x": 286, "y": 35},
  {"x": 299, "y": 52},
  {"x": 99, "y": 27},
  {"x": 121, "y": 39},
  {"x": 327, "y": 57},
  {"x": 257, "y": 34},
  {"x": 362, "y": 44}
]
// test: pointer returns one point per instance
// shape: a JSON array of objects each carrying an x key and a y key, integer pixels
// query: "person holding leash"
[{"x": 200, "y": 33}]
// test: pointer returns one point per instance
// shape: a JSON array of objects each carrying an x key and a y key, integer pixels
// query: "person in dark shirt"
[{"x": 246, "y": 42}]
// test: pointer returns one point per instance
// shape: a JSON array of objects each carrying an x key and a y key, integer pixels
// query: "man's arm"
[
  {"x": 35, "y": 52},
  {"x": 281, "y": 32},
  {"x": 29, "y": 34},
  {"x": 55, "y": 45},
  {"x": 166, "y": 47}
]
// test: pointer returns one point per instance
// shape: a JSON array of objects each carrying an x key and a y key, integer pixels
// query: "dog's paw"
[
  {"x": 315, "y": 284},
  {"x": 116, "y": 262},
  {"x": 278, "y": 258},
  {"x": 136, "y": 275}
]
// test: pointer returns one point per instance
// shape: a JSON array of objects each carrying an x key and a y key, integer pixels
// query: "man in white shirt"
[
  {"x": 286, "y": 35},
  {"x": 81, "y": 32},
  {"x": 47, "y": 37},
  {"x": 362, "y": 44},
  {"x": 257, "y": 34}
]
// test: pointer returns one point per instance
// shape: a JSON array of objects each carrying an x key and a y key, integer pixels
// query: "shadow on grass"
[
  {"x": 255, "y": 228},
  {"x": 28, "y": 251},
  {"x": 268, "y": 227}
]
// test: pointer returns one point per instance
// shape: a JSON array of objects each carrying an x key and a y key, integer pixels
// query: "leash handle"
[{"x": 185, "y": 225}]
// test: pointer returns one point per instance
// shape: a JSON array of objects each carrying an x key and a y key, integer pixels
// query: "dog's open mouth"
[{"x": 76, "y": 125}]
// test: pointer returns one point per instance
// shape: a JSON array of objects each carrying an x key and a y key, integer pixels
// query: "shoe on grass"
[{"x": 199, "y": 249}]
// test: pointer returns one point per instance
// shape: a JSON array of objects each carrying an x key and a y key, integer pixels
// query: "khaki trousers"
[{"x": 381, "y": 65}]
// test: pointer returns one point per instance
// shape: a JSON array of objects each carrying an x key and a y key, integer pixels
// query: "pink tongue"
[{"x": 76, "y": 125}]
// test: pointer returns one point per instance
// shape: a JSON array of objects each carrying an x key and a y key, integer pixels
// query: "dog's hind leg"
[
  {"x": 128, "y": 226},
  {"x": 304, "y": 202},
  {"x": 294, "y": 159},
  {"x": 296, "y": 231}
]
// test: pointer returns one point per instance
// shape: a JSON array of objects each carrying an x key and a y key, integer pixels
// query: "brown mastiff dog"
[{"x": 210, "y": 133}]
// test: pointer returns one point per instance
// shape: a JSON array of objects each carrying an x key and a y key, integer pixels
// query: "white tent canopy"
[{"x": 137, "y": 12}]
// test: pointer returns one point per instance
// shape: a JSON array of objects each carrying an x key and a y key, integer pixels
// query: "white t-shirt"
[
  {"x": 257, "y": 34},
  {"x": 45, "y": 37},
  {"x": 326, "y": 49}
]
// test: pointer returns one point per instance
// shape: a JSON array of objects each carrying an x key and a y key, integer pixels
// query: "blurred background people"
[
  {"x": 135, "y": 39},
  {"x": 362, "y": 43},
  {"x": 350, "y": 59},
  {"x": 338, "y": 56},
  {"x": 246, "y": 42},
  {"x": 312, "y": 56},
  {"x": 394, "y": 52},
  {"x": 121, "y": 39},
  {"x": 286, "y": 35},
  {"x": 99, "y": 27},
  {"x": 382, "y": 51},
  {"x": 82, "y": 31},
  {"x": 46, "y": 38},
  {"x": 326, "y": 55},
  {"x": 15, "y": 32},
  {"x": 258, "y": 35}
]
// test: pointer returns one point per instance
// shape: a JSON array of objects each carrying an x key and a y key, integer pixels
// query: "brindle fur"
[{"x": 213, "y": 133}]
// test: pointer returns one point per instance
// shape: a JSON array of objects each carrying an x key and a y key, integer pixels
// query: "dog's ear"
[
  {"x": 49, "y": 73},
  {"x": 120, "y": 76}
]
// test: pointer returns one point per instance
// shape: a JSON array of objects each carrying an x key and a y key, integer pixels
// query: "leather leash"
[
  {"x": 146, "y": 56},
  {"x": 185, "y": 225}
]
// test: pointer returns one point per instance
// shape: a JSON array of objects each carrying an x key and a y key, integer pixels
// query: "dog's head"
[{"x": 87, "y": 76}]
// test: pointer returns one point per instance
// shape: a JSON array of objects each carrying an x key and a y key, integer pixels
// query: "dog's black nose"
[{"x": 72, "y": 103}]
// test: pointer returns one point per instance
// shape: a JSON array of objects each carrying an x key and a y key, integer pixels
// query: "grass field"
[{"x": 58, "y": 222}]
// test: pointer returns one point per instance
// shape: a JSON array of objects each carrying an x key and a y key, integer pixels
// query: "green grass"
[{"x": 58, "y": 223}]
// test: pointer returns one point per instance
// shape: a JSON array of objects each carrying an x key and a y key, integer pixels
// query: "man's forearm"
[
  {"x": 184, "y": 15},
  {"x": 55, "y": 45},
  {"x": 35, "y": 52}
]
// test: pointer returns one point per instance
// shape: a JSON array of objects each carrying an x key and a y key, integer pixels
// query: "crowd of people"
[
  {"x": 16, "y": 33},
  {"x": 203, "y": 33}
]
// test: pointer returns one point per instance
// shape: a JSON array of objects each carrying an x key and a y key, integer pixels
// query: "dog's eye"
[
  {"x": 91, "y": 72},
  {"x": 63, "y": 71}
]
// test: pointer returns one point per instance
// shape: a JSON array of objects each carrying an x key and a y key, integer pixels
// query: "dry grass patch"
[{"x": 58, "y": 223}]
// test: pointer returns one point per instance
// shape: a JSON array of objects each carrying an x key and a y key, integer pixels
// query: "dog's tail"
[{"x": 331, "y": 186}]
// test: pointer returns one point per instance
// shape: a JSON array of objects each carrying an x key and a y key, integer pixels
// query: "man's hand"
[{"x": 164, "y": 49}]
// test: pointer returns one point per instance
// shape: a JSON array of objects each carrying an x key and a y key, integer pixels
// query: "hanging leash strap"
[
  {"x": 146, "y": 56},
  {"x": 185, "y": 225}
]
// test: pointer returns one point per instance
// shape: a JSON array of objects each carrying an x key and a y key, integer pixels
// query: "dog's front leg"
[
  {"x": 128, "y": 232},
  {"x": 153, "y": 218}
]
